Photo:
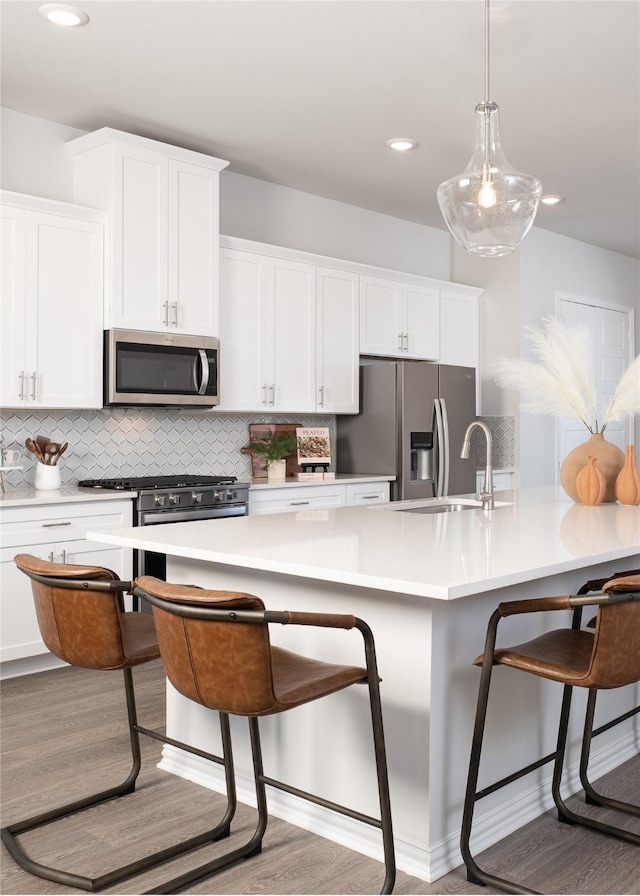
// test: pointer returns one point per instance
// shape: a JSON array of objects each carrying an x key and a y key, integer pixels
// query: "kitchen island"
[{"x": 426, "y": 584}]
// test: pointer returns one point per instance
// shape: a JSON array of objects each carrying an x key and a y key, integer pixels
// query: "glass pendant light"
[{"x": 490, "y": 207}]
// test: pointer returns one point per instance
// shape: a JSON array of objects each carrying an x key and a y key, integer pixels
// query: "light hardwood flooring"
[{"x": 64, "y": 735}]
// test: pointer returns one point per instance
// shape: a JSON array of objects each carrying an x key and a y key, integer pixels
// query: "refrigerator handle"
[
  {"x": 446, "y": 448},
  {"x": 440, "y": 454}
]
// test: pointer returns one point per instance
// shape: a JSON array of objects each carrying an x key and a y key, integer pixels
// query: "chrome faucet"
[{"x": 486, "y": 495}]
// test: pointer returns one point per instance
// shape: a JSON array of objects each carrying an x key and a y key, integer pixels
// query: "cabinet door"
[
  {"x": 459, "y": 338},
  {"x": 64, "y": 290},
  {"x": 291, "y": 295},
  {"x": 381, "y": 327},
  {"x": 422, "y": 322},
  {"x": 12, "y": 293},
  {"x": 193, "y": 249},
  {"x": 139, "y": 284},
  {"x": 337, "y": 342},
  {"x": 243, "y": 331},
  {"x": 19, "y": 632}
]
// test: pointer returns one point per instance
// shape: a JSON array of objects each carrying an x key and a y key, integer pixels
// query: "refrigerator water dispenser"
[{"x": 422, "y": 456}]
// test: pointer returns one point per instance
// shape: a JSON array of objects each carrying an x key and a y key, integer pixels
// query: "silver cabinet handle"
[
  {"x": 54, "y": 525},
  {"x": 298, "y": 503},
  {"x": 174, "y": 311},
  {"x": 165, "y": 314},
  {"x": 21, "y": 378},
  {"x": 321, "y": 401},
  {"x": 264, "y": 393},
  {"x": 64, "y": 555},
  {"x": 368, "y": 497},
  {"x": 50, "y": 556},
  {"x": 34, "y": 385},
  {"x": 273, "y": 393},
  {"x": 406, "y": 342},
  {"x": 400, "y": 342}
]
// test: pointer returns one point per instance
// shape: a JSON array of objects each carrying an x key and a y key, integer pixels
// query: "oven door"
[
  {"x": 148, "y": 563},
  {"x": 157, "y": 369}
]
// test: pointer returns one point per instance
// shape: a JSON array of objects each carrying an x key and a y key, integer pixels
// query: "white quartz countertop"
[
  {"x": 340, "y": 478},
  {"x": 70, "y": 494},
  {"x": 539, "y": 532}
]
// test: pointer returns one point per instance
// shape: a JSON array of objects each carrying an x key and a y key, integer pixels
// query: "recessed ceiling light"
[
  {"x": 551, "y": 199},
  {"x": 61, "y": 14},
  {"x": 401, "y": 144}
]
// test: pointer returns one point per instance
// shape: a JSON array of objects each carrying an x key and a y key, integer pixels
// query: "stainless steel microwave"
[{"x": 160, "y": 369}]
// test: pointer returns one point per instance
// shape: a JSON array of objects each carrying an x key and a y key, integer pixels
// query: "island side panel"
[{"x": 326, "y": 746}]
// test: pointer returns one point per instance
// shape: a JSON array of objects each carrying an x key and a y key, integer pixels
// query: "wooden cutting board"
[{"x": 258, "y": 463}]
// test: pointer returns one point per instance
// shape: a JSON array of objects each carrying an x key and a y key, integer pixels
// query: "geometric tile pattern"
[
  {"x": 160, "y": 441},
  {"x": 139, "y": 441},
  {"x": 503, "y": 430}
]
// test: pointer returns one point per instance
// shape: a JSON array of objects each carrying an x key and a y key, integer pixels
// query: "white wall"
[{"x": 36, "y": 161}]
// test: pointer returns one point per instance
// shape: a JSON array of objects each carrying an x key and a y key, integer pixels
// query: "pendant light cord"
[{"x": 486, "y": 51}]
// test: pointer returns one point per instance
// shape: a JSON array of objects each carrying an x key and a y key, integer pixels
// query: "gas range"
[{"x": 179, "y": 498}]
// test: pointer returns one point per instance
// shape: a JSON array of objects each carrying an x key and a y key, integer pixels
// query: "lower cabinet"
[
  {"x": 57, "y": 533},
  {"x": 315, "y": 497}
]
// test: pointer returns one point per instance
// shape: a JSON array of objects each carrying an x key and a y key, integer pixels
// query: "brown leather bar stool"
[
  {"x": 80, "y": 612},
  {"x": 216, "y": 651},
  {"x": 592, "y": 797},
  {"x": 608, "y": 657}
]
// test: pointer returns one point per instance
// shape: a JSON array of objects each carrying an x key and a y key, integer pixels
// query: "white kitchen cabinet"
[
  {"x": 459, "y": 336},
  {"x": 163, "y": 247},
  {"x": 399, "y": 319},
  {"x": 52, "y": 304},
  {"x": 337, "y": 341},
  {"x": 332, "y": 493},
  {"x": 55, "y": 532}
]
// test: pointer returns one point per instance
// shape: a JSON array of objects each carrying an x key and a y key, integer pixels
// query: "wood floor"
[{"x": 49, "y": 758}]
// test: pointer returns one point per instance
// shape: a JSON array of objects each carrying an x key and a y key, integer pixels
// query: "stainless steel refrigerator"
[{"x": 411, "y": 425}]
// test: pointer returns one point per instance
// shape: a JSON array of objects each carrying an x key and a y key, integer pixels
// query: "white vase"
[
  {"x": 47, "y": 477},
  {"x": 277, "y": 469}
]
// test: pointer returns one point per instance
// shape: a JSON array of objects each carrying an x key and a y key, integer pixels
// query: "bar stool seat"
[
  {"x": 81, "y": 616},
  {"x": 605, "y": 658},
  {"x": 216, "y": 651}
]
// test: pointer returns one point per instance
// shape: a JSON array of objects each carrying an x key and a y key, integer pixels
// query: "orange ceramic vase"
[
  {"x": 610, "y": 461},
  {"x": 591, "y": 484},
  {"x": 628, "y": 481}
]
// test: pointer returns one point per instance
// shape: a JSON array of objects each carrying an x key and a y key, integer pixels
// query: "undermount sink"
[{"x": 440, "y": 508}]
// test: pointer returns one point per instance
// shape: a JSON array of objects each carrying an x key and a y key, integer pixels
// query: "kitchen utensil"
[
  {"x": 35, "y": 449},
  {"x": 42, "y": 442},
  {"x": 55, "y": 451},
  {"x": 50, "y": 451}
]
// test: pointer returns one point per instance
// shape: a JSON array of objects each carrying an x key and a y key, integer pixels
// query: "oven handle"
[{"x": 155, "y": 517}]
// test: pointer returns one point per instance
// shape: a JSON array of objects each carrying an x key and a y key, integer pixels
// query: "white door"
[
  {"x": 422, "y": 322},
  {"x": 64, "y": 289},
  {"x": 337, "y": 339},
  {"x": 193, "y": 249},
  {"x": 243, "y": 331},
  {"x": 381, "y": 326},
  {"x": 12, "y": 293},
  {"x": 609, "y": 339},
  {"x": 139, "y": 288},
  {"x": 291, "y": 302}
]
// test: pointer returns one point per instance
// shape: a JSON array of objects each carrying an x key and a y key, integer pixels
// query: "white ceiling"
[{"x": 305, "y": 92}]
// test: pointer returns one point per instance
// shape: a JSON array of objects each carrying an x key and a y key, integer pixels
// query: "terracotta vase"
[
  {"x": 590, "y": 483},
  {"x": 609, "y": 459},
  {"x": 628, "y": 480}
]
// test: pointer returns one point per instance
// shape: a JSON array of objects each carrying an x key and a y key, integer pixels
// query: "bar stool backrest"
[
  {"x": 615, "y": 660},
  {"x": 81, "y": 627},
  {"x": 222, "y": 664}
]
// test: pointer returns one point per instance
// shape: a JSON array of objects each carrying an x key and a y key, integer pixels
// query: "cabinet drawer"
[
  {"x": 66, "y": 522},
  {"x": 279, "y": 500},
  {"x": 367, "y": 493}
]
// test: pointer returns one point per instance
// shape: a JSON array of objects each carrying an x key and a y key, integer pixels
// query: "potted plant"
[{"x": 275, "y": 448}]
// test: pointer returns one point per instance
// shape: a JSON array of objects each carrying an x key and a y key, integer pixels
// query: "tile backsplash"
[
  {"x": 141, "y": 441},
  {"x": 117, "y": 442}
]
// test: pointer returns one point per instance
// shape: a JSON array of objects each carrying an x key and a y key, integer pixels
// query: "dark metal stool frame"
[
  {"x": 254, "y": 845},
  {"x": 592, "y": 797},
  {"x": 93, "y": 885},
  {"x": 475, "y": 874}
]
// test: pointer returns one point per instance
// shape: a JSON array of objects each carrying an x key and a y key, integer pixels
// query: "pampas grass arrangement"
[{"x": 562, "y": 382}]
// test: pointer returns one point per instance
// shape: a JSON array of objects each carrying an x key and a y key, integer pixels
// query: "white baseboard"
[
  {"x": 30, "y": 665},
  {"x": 428, "y": 864}
]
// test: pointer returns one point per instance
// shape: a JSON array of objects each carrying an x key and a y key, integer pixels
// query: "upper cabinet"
[
  {"x": 162, "y": 263},
  {"x": 399, "y": 319},
  {"x": 288, "y": 333},
  {"x": 459, "y": 327},
  {"x": 51, "y": 269}
]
